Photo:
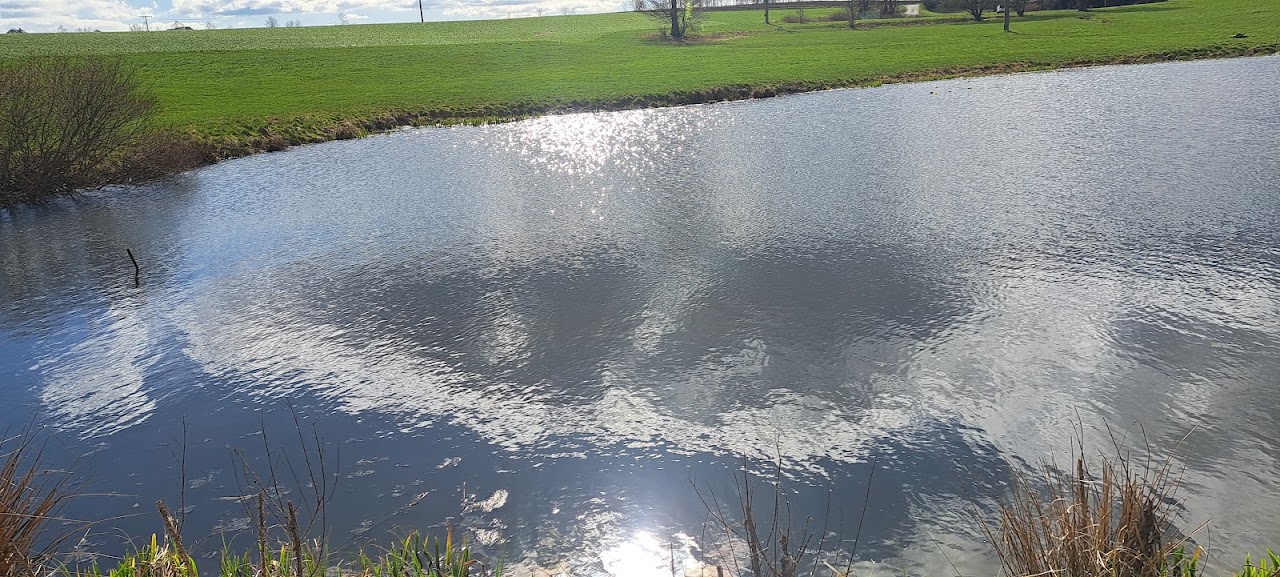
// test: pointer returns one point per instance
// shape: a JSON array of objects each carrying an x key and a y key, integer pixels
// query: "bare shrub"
[
  {"x": 64, "y": 122},
  {"x": 975, "y": 8},
  {"x": 759, "y": 534}
]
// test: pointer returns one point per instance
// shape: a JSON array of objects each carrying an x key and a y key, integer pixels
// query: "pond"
[{"x": 563, "y": 335}]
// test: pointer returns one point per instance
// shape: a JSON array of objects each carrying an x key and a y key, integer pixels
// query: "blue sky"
[{"x": 71, "y": 15}]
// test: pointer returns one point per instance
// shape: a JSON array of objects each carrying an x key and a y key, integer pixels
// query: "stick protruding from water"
[{"x": 137, "y": 272}]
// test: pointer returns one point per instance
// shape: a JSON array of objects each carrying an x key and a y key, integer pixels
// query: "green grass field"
[{"x": 231, "y": 84}]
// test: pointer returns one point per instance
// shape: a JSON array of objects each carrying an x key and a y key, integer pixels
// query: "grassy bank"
[{"x": 261, "y": 89}]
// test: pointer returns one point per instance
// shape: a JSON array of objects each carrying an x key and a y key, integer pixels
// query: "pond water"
[{"x": 559, "y": 333}]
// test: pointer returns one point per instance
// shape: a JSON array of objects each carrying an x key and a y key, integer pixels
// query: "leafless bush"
[
  {"x": 301, "y": 521},
  {"x": 761, "y": 535},
  {"x": 64, "y": 122},
  {"x": 975, "y": 8}
]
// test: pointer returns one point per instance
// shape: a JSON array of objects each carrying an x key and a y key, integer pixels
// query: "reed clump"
[
  {"x": 1114, "y": 520},
  {"x": 30, "y": 499}
]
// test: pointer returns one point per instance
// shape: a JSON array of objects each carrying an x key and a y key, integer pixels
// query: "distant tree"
[
  {"x": 135, "y": 28},
  {"x": 888, "y": 7},
  {"x": 343, "y": 19},
  {"x": 975, "y": 8},
  {"x": 272, "y": 22},
  {"x": 677, "y": 17},
  {"x": 1019, "y": 7},
  {"x": 293, "y": 24},
  {"x": 62, "y": 28},
  {"x": 852, "y": 7},
  {"x": 210, "y": 25},
  {"x": 539, "y": 10}
]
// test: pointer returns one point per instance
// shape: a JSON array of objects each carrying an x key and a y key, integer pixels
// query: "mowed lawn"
[{"x": 221, "y": 82}]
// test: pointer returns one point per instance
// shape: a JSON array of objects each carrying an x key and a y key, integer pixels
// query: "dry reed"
[
  {"x": 30, "y": 498},
  {"x": 1110, "y": 523}
]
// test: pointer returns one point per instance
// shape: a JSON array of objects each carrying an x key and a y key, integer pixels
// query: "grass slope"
[{"x": 237, "y": 85}]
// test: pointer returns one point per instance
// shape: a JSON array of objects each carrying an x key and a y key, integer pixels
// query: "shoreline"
[
  {"x": 276, "y": 134},
  {"x": 189, "y": 148}
]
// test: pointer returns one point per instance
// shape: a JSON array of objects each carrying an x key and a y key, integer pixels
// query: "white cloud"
[
  {"x": 48, "y": 15},
  {"x": 203, "y": 8},
  {"x": 114, "y": 15},
  {"x": 523, "y": 8}
]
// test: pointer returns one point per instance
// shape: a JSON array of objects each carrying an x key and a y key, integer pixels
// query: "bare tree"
[
  {"x": 293, "y": 24},
  {"x": 343, "y": 19},
  {"x": 1019, "y": 7},
  {"x": 888, "y": 7},
  {"x": 135, "y": 28},
  {"x": 210, "y": 25},
  {"x": 678, "y": 17},
  {"x": 975, "y": 8},
  {"x": 272, "y": 22},
  {"x": 63, "y": 122}
]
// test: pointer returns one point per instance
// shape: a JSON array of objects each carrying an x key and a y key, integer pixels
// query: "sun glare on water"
[{"x": 644, "y": 555}]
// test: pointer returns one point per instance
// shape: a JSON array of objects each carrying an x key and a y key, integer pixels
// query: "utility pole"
[
  {"x": 147, "y": 24},
  {"x": 421, "y": 18},
  {"x": 1006, "y": 15}
]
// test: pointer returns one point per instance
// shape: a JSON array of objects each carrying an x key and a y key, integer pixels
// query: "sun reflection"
[
  {"x": 582, "y": 144},
  {"x": 578, "y": 143},
  {"x": 645, "y": 555}
]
